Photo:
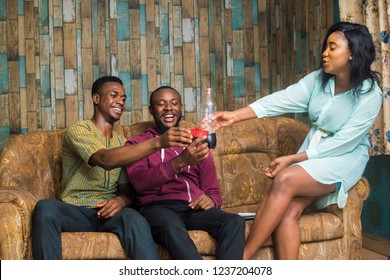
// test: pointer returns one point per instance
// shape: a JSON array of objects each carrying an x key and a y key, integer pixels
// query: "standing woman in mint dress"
[{"x": 342, "y": 100}]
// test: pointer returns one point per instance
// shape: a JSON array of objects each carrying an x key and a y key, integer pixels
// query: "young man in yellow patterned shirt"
[{"x": 95, "y": 191}]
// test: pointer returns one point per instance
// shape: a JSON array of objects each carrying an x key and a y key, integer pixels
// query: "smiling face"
[
  {"x": 110, "y": 101},
  {"x": 336, "y": 56},
  {"x": 166, "y": 107}
]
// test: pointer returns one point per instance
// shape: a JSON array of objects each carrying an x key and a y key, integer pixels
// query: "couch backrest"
[
  {"x": 242, "y": 153},
  {"x": 32, "y": 161},
  {"x": 245, "y": 149}
]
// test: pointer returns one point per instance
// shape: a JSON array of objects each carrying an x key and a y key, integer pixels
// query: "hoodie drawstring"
[{"x": 162, "y": 155}]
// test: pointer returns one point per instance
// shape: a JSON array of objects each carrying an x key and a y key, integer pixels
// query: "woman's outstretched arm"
[{"x": 226, "y": 118}]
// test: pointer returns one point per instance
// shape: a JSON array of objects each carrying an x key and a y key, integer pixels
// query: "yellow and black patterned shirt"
[{"x": 83, "y": 184}]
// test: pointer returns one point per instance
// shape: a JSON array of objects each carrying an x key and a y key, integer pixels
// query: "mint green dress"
[{"x": 341, "y": 155}]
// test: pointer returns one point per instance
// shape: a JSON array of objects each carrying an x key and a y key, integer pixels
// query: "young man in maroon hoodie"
[{"x": 177, "y": 188}]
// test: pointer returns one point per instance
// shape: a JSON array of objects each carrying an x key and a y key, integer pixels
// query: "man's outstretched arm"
[{"x": 127, "y": 155}]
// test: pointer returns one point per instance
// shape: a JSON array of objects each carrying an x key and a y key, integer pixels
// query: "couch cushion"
[
  {"x": 243, "y": 183},
  {"x": 240, "y": 157},
  {"x": 244, "y": 150},
  {"x": 91, "y": 245},
  {"x": 100, "y": 246},
  {"x": 320, "y": 226},
  {"x": 315, "y": 227}
]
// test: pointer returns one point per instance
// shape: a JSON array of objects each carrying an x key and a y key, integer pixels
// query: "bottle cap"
[{"x": 209, "y": 90}]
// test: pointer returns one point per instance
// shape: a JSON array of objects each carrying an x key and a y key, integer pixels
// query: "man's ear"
[
  {"x": 95, "y": 98},
  {"x": 150, "y": 110}
]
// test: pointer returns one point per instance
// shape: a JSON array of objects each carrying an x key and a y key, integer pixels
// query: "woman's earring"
[{"x": 350, "y": 58}]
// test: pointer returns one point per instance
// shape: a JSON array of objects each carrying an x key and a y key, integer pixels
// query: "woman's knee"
[{"x": 283, "y": 182}]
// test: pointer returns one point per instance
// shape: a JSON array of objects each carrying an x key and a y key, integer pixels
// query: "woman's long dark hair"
[{"x": 363, "y": 54}]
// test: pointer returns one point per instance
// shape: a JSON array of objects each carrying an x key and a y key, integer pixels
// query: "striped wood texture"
[{"x": 51, "y": 51}]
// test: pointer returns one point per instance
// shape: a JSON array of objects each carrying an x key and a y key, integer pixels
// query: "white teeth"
[
  {"x": 117, "y": 110},
  {"x": 169, "y": 118}
]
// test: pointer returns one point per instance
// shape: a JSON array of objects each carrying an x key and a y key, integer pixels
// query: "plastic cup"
[{"x": 198, "y": 132}]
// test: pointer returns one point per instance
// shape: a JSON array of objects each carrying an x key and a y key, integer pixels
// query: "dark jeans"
[
  {"x": 171, "y": 220},
  {"x": 51, "y": 217}
]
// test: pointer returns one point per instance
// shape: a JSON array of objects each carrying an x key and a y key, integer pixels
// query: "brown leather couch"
[{"x": 30, "y": 170}]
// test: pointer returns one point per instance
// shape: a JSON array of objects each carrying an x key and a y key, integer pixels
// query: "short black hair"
[
  {"x": 158, "y": 89},
  {"x": 102, "y": 80}
]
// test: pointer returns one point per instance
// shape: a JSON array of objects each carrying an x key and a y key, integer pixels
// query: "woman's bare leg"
[
  {"x": 287, "y": 235},
  {"x": 290, "y": 182}
]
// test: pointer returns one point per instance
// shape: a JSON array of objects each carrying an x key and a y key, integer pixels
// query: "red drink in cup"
[
  {"x": 198, "y": 132},
  {"x": 211, "y": 138}
]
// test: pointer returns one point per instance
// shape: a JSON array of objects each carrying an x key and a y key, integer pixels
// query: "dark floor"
[{"x": 372, "y": 255}]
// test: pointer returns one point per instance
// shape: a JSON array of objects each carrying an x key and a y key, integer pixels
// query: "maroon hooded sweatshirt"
[{"x": 155, "y": 179}]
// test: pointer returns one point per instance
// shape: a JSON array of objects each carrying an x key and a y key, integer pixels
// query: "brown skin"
[
  {"x": 292, "y": 189},
  {"x": 336, "y": 60},
  {"x": 166, "y": 109},
  {"x": 109, "y": 104}
]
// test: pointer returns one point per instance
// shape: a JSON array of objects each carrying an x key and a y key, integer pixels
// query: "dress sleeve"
[
  {"x": 352, "y": 132},
  {"x": 293, "y": 99}
]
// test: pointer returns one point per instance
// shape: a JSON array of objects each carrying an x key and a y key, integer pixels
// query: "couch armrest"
[
  {"x": 351, "y": 217},
  {"x": 356, "y": 197},
  {"x": 352, "y": 214},
  {"x": 358, "y": 194},
  {"x": 16, "y": 207}
]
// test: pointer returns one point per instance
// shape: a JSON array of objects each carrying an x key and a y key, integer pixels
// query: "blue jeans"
[
  {"x": 171, "y": 220},
  {"x": 51, "y": 217}
]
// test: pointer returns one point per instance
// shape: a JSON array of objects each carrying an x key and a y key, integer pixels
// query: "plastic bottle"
[{"x": 209, "y": 107}]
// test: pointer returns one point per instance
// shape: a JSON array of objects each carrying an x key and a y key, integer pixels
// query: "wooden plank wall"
[{"x": 51, "y": 51}]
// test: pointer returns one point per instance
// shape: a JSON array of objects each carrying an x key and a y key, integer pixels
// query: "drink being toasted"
[
  {"x": 198, "y": 132},
  {"x": 211, "y": 137}
]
